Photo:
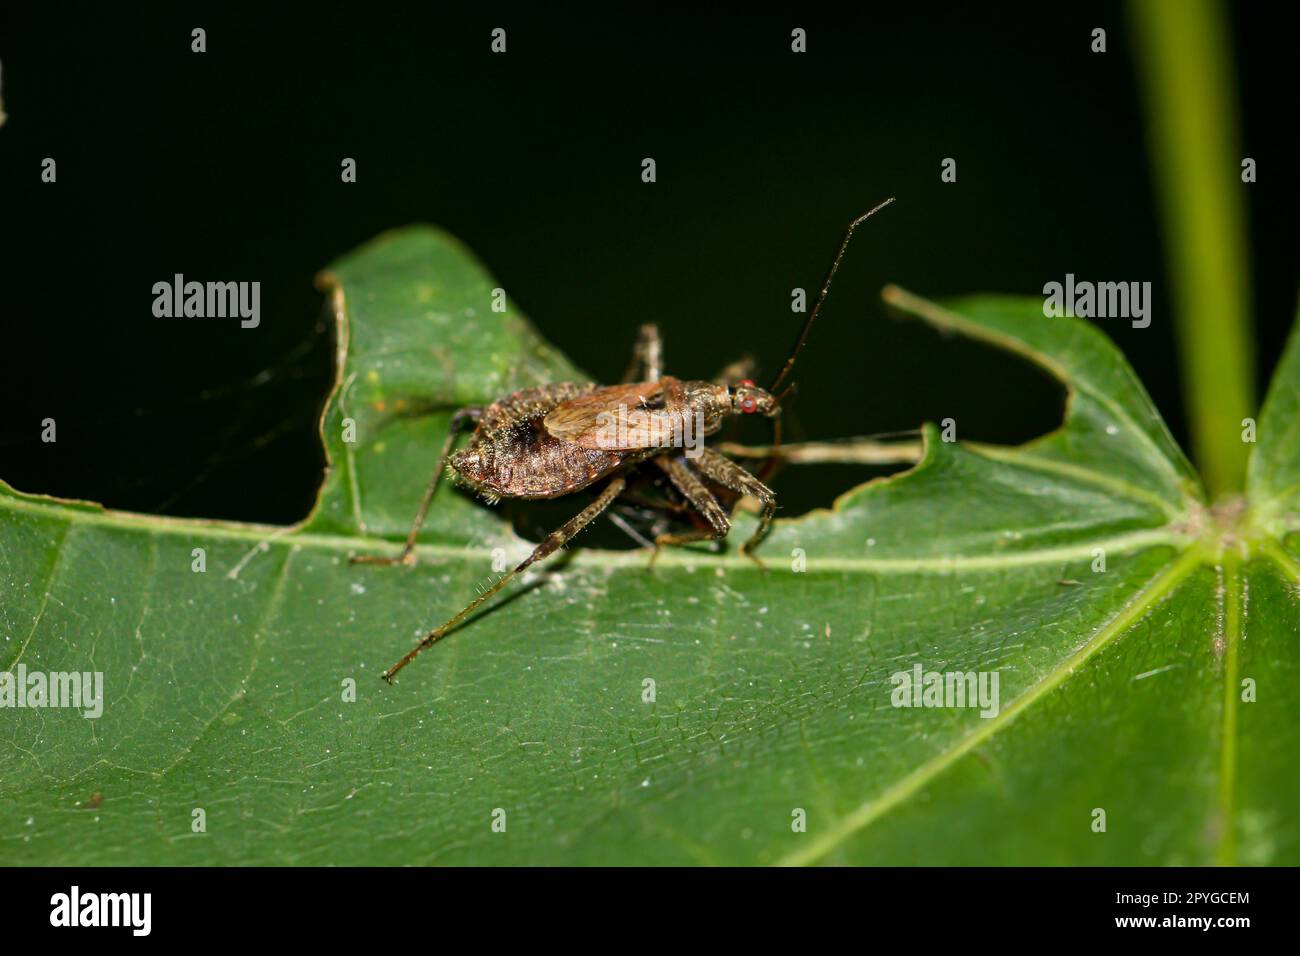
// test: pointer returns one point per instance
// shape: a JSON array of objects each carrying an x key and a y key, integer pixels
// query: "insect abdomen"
[
  {"x": 524, "y": 461},
  {"x": 513, "y": 456}
]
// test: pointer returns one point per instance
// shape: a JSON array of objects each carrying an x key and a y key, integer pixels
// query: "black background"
[
  {"x": 236, "y": 906},
  {"x": 225, "y": 165}
]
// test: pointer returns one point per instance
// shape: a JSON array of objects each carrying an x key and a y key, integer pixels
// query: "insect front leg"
[
  {"x": 731, "y": 475},
  {"x": 463, "y": 417},
  {"x": 647, "y": 363},
  {"x": 553, "y": 542},
  {"x": 701, "y": 500}
]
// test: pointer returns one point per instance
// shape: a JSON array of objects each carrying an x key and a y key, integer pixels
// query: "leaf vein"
[
  {"x": 51, "y": 578},
  {"x": 1153, "y": 592}
]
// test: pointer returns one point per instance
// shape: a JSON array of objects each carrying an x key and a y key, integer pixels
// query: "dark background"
[{"x": 225, "y": 165}]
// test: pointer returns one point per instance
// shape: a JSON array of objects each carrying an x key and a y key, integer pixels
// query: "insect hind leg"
[
  {"x": 470, "y": 414},
  {"x": 553, "y": 542}
]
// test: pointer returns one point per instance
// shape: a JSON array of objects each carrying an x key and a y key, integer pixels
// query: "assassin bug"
[{"x": 553, "y": 440}]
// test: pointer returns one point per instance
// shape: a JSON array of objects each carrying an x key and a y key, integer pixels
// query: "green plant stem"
[{"x": 1184, "y": 64}]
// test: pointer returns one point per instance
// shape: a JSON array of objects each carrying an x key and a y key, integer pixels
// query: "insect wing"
[{"x": 622, "y": 417}]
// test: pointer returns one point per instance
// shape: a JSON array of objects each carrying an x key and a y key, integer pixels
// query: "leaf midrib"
[
  {"x": 1230, "y": 603},
  {"x": 1158, "y": 587},
  {"x": 259, "y": 536}
]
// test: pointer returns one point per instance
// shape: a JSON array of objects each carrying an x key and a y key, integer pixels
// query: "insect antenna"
[{"x": 826, "y": 286}]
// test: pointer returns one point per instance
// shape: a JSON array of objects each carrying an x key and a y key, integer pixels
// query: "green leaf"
[
  {"x": 417, "y": 340},
  {"x": 1119, "y": 689},
  {"x": 1273, "y": 480}
]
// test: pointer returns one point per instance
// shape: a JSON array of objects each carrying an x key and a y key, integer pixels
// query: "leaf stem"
[{"x": 1185, "y": 68}]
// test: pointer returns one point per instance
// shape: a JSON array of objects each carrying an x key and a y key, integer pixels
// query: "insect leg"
[
  {"x": 633, "y": 496},
  {"x": 683, "y": 537},
  {"x": 647, "y": 363},
  {"x": 731, "y": 475},
  {"x": 700, "y": 498},
  {"x": 554, "y": 541},
  {"x": 618, "y": 521},
  {"x": 736, "y": 372},
  {"x": 465, "y": 416},
  {"x": 643, "y": 501}
]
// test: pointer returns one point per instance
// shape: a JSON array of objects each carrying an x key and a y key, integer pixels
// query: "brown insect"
[{"x": 553, "y": 440}]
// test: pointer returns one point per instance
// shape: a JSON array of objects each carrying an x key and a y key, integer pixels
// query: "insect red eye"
[
  {"x": 748, "y": 405},
  {"x": 747, "y": 383}
]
